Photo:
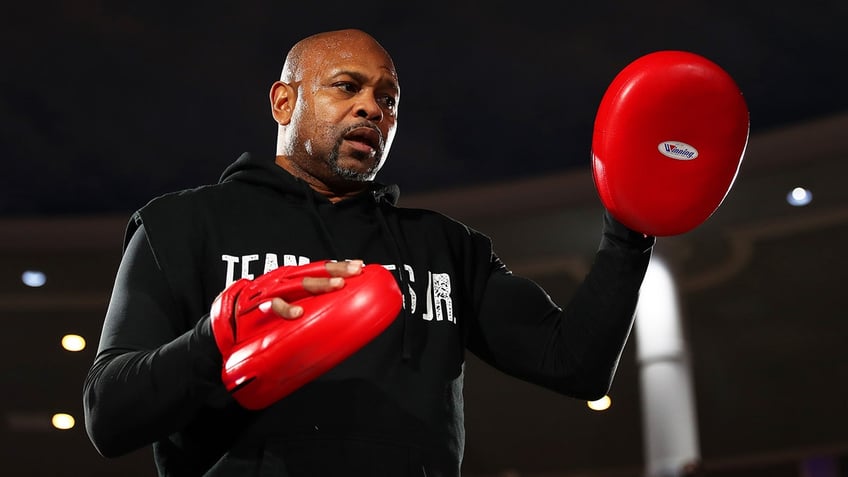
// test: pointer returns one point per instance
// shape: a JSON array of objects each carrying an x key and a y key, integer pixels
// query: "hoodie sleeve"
[
  {"x": 575, "y": 349},
  {"x": 147, "y": 379}
]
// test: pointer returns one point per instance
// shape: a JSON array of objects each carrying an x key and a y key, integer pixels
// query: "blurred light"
[
  {"x": 63, "y": 421},
  {"x": 658, "y": 334},
  {"x": 601, "y": 404},
  {"x": 34, "y": 278},
  {"x": 73, "y": 342},
  {"x": 799, "y": 197}
]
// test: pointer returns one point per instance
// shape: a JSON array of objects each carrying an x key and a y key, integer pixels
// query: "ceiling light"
[
  {"x": 601, "y": 404},
  {"x": 63, "y": 421},
  {"x": 799, "y": 197},
  {"x": 73, "y": 342},
  {"x": 34, "y": 278}
]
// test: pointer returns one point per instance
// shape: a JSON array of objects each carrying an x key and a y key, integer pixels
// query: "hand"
[
  {"x": 341, "y": 307},
  {"x": 338, "y": 271},
  {"x": 246, "y": 305}
]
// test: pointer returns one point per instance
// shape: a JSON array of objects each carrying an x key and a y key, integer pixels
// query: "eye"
[
  {"x": 347, "y": 86},
  {"x": 389, "y": 101}
]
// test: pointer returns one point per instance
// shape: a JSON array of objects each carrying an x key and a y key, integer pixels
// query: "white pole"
[{"x": 670, "y": 426}]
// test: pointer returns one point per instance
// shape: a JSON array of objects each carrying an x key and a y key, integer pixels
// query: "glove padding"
[
  {"x": 668, "y": 141},
  {"x": 266, "y": 356}
]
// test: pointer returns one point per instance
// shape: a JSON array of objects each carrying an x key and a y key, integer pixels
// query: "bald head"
[{"x": 314, "y": 48}]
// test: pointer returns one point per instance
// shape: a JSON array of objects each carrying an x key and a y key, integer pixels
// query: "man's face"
[{"x": 345, "y": 115}]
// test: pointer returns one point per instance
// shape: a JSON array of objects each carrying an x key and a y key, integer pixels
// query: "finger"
[
  {"x": 322, "y": 285},
  {"x": 346, "y": 268},
  {"x": 284, "y": 309}
]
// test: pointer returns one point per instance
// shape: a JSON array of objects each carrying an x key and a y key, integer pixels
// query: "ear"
[{"x": 283, "y": 97}]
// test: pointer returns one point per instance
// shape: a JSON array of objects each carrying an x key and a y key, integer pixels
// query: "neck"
[{"x": 334, "y": 192}]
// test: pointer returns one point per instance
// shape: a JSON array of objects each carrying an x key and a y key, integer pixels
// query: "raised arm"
[{"x": 573, "y": 349}]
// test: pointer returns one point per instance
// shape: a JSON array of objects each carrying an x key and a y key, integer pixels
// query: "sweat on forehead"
[{"x": 321, "y": 43}]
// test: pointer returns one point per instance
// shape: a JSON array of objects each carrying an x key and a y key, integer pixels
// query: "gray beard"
[{"x": 348, "y": 174}]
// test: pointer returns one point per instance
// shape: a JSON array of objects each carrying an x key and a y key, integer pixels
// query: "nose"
[{"x": 369, "y": 108}]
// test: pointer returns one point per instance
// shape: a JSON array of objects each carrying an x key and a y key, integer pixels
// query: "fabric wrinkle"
[{"x": 406, "y": 352}]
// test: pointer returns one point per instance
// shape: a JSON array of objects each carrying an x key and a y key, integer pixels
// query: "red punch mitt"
[
  {"x": 668, "y": 140},
  {"x": 266, "y": 356}
]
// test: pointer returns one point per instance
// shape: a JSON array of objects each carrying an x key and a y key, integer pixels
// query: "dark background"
[{"x": 104, "y": 105}]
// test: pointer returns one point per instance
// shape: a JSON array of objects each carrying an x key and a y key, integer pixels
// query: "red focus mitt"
[
  {"x": 668, "y": 141},
  {"x": 266, "y": 356}
]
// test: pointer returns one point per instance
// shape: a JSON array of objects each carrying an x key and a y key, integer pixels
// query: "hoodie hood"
[{"x": 264, "y": 171}]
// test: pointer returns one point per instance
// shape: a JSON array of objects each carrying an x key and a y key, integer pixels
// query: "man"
[{"x": 393, "y": 408}]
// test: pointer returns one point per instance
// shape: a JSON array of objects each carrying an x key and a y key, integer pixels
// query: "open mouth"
[{"x": 364, "y": 138}]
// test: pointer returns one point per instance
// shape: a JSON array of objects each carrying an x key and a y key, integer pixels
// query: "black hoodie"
[{"x": 394, "y": 408}]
